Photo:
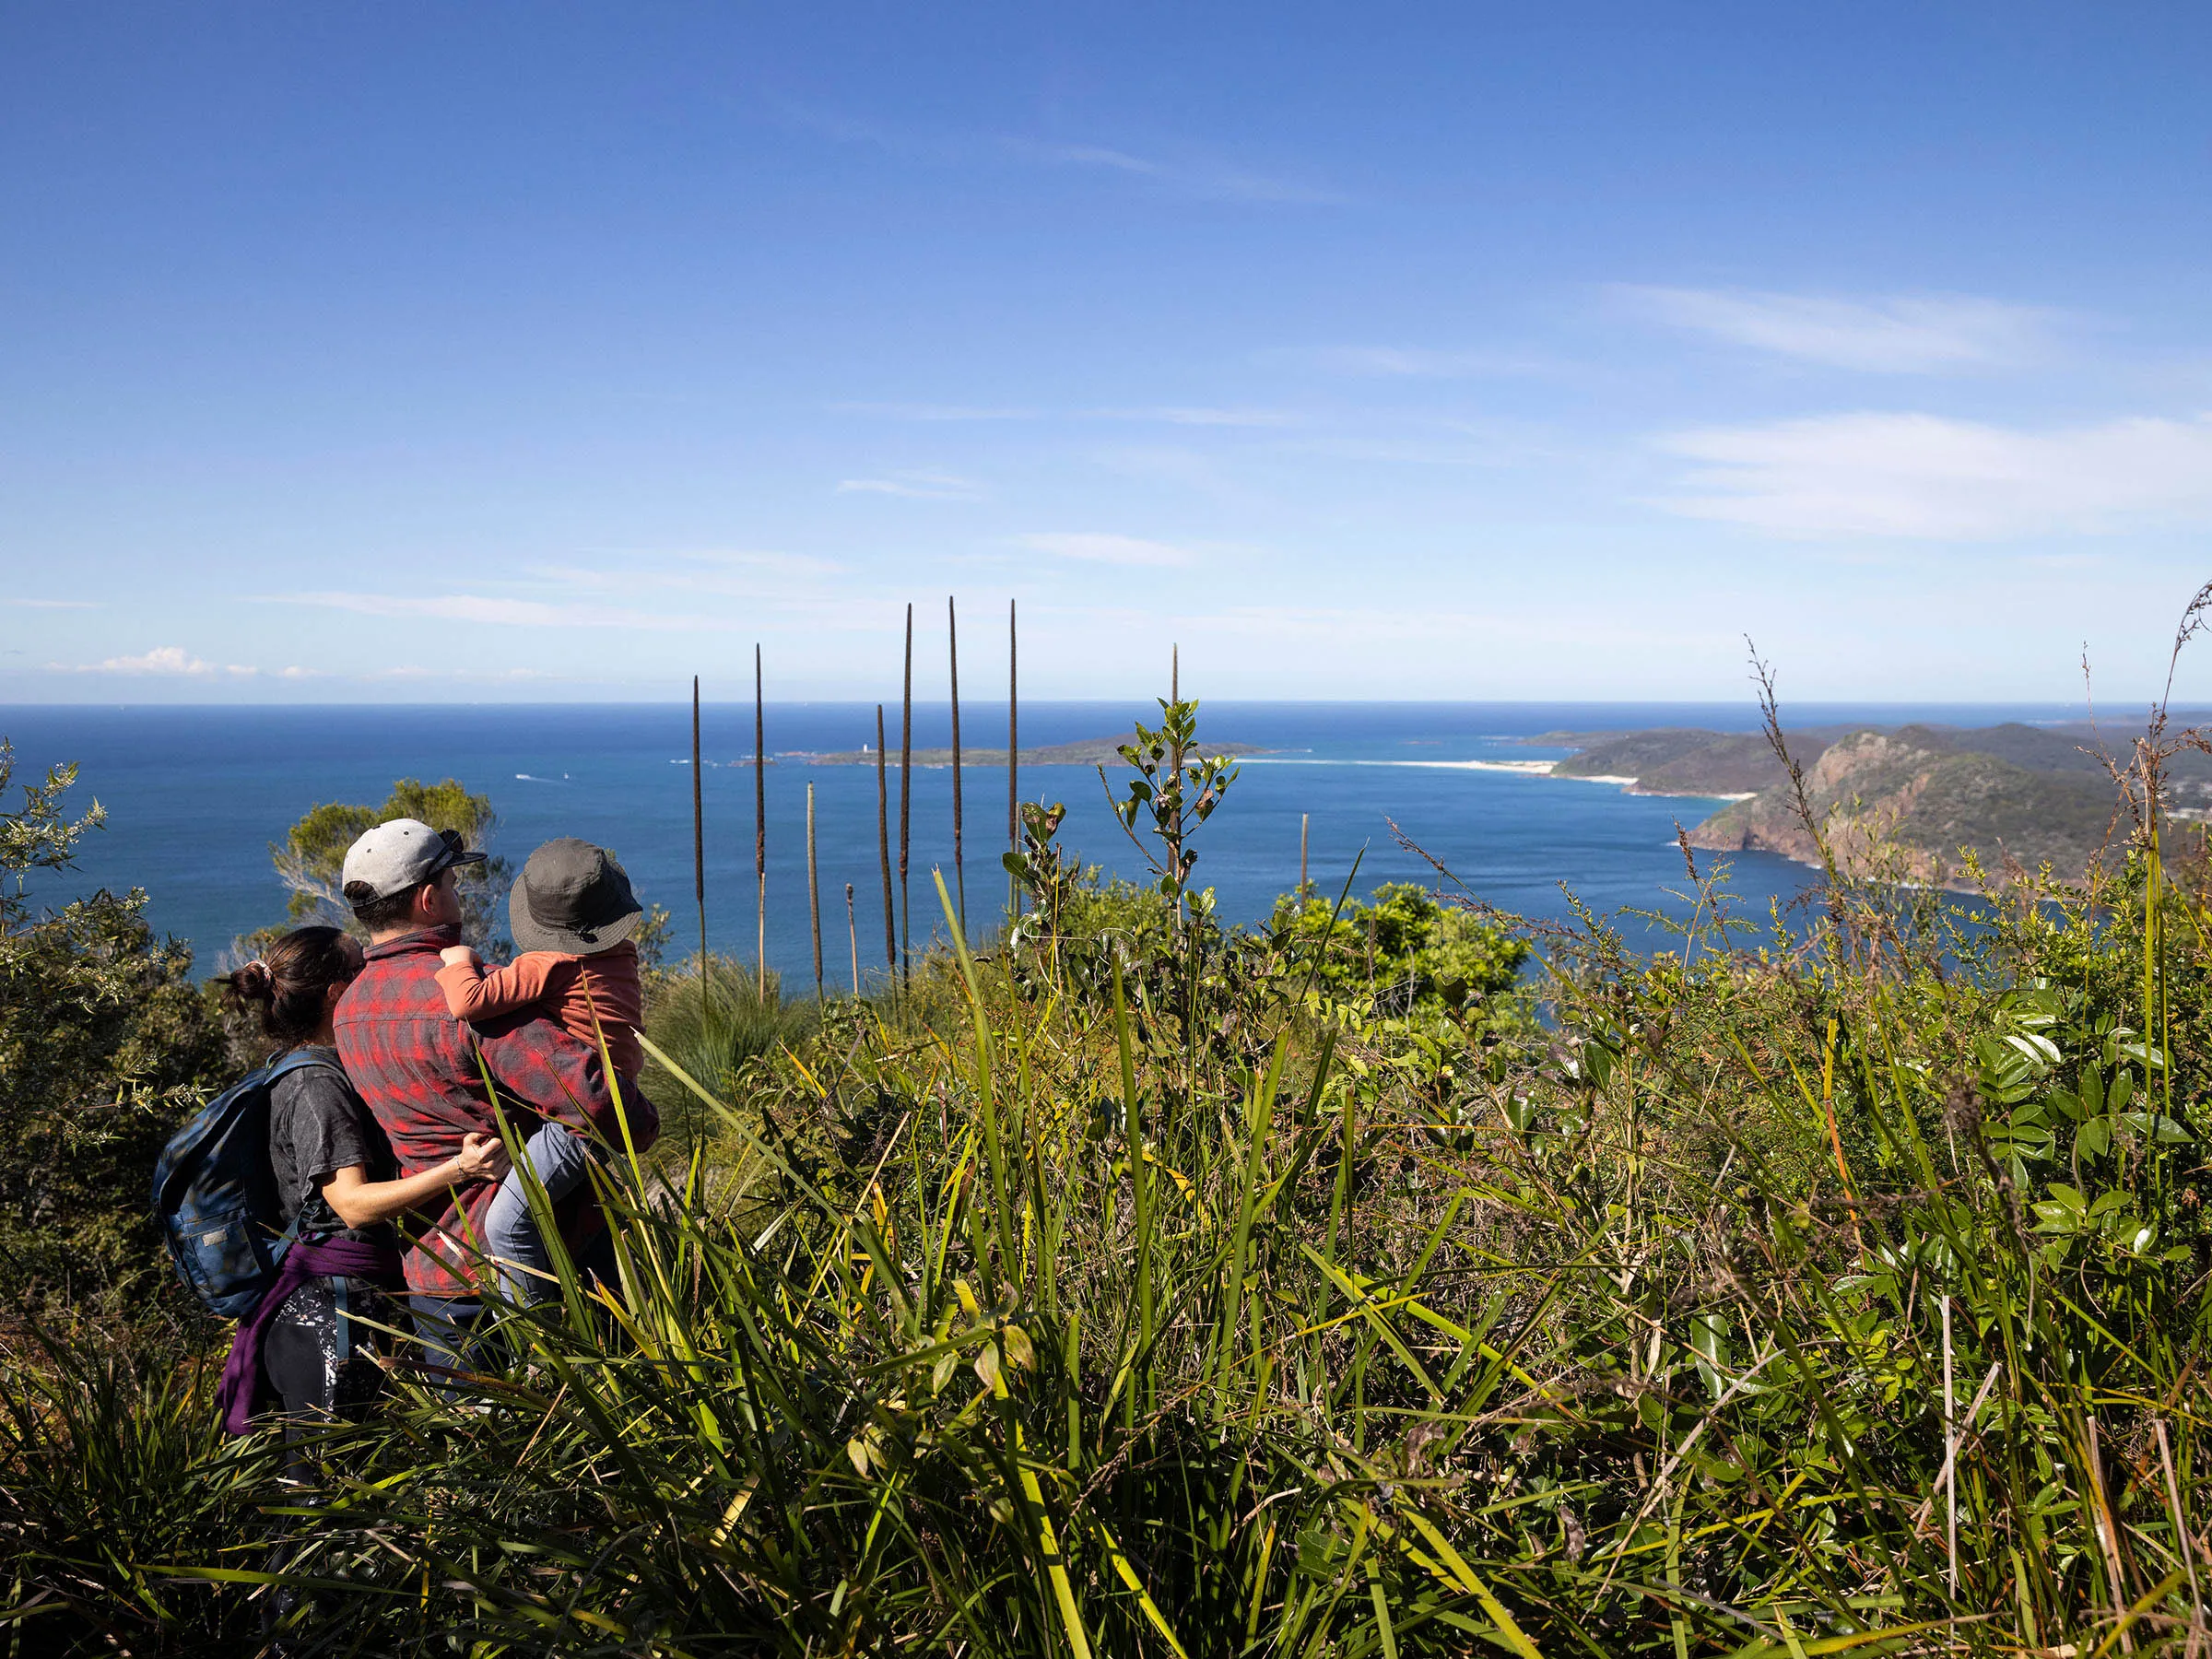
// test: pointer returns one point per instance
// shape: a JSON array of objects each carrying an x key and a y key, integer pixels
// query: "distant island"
[
  {"x": 1089, "y": 751},
  {"x": 2027, "y": 794}
]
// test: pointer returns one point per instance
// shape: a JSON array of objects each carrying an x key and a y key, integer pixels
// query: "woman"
[{"x": 316, "y": 1349}]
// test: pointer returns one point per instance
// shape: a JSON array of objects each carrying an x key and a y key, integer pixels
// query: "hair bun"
[{"x": 253, "y": 981}]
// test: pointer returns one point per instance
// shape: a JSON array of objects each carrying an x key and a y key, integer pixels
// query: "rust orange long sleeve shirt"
[{"x": 588, "y": 994}]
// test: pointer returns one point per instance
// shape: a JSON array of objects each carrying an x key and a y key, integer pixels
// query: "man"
[{"x": 422, "y": 1072}]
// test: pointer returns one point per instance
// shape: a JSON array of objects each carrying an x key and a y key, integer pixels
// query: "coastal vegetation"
[
  {"x": 310, "y": 859},
  {"x": 105, "y": 1046},
  {"x": 1393, "y": 1277}
]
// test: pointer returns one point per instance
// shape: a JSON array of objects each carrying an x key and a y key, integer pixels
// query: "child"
[{"x": 573, "y": 915}]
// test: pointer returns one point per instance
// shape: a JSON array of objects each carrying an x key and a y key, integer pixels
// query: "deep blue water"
[{"x": 195, "y": 796}]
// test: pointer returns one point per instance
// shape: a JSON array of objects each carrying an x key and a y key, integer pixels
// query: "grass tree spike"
[
  {"x": 906, "y": 798},
  {"x": 959, "y": 867},
  {"x": 852, "y": 936},
  {"x": 1013, "y": 747},
  {"x": 883, "y": 850},
  {"x": 813, "y": 892},
  {"x": 699, "y": 835},
  {"x": 760, "y": 820}
]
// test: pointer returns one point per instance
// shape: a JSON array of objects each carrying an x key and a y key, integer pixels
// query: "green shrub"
[
  {"x": 1407, "y": 954},
  {"x": 312, "y": 858},
  {"x": 105, "y": 1047}
]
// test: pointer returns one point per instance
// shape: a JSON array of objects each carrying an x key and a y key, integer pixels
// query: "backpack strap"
[
  {"x": 299, "y": 1059},
  {"x": 287, "y": 1237}
]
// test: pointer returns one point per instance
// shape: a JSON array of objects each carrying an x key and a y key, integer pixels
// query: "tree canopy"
[{"x": 312, "y": 858}]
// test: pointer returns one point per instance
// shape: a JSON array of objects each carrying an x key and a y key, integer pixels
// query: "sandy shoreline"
[{"x": 1526, "y": 769}]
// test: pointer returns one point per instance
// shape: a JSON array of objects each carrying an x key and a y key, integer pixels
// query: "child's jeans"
[{"x": 561, "y": 1161}]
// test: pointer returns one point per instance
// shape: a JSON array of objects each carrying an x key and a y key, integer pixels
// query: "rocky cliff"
[{"x": 1913, "y": 802}]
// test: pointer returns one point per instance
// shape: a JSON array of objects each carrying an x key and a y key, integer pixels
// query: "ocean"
[{"x": 195, "y": 795}]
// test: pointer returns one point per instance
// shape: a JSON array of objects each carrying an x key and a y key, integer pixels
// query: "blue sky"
[{"x": 555, "y": 351}]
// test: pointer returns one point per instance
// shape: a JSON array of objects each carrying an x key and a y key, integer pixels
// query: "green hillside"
[{"x": 2009, "y": 795}]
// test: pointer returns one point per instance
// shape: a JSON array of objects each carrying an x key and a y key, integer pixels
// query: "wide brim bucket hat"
[{"x": 572, "y": 897}]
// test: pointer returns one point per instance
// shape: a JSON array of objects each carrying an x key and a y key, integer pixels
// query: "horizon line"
[{"x": 1146, "y": 699}]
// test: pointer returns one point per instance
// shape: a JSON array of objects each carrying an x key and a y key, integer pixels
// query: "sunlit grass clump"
[{"x": 711, "y": 1027}]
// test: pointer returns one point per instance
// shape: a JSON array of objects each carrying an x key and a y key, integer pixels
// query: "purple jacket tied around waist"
[{"x": 337, "y": 1258}]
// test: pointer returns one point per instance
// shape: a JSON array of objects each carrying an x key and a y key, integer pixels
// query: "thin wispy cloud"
[
  {"x": 1323, "y": 624},
  {"x": 415, "y": 671},
  {"x": 1898, "y": 333},
  {"x": 1334, "y": 626},
  {"x": 1094, "y": 547},
  {"x": 1202, "y": 177},
  {"x": 790, "y": 567},
  {"x": 843, "y": 129},
  {"x": 915, "y": 487},
  {"x": 53, "y": 603},
  {"x": 162, "y": 659},
  {"x": 1200, "y": 415},
  {"x": 1189, "y": 171},
  {"x": 171, "y": 662},
  {"x": 1084, "y": 155},
  {"x": 931, "y": 411},
  {"x": 1403, "y": 362},
  {"x": 781, "y": 579},
  {"x": 1191, "y": 415},
  {"x": 1419, "y": 451},
  {"x": 494, "y": 612},
  {"x": 1180, "y": 466},
  {"x": 1890, "y": 475}
]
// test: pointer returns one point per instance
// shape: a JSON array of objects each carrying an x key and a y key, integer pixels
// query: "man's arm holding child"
[{"x": 535, "y": 1061}]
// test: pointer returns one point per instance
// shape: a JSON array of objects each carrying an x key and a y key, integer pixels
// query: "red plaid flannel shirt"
[{"x": 417, "y": 1067}]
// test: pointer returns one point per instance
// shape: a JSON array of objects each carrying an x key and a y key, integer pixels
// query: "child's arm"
[{"x": 474, "y": 992}]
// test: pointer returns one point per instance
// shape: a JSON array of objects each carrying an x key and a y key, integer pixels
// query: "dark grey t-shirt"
[{"x": 318, "y": 1126}]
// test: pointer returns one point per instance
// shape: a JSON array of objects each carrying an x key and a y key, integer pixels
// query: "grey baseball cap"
[{"x": 400, "y": 854}]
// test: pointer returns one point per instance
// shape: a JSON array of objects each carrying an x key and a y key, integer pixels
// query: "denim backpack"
[{"x": 215, "y": 1195}]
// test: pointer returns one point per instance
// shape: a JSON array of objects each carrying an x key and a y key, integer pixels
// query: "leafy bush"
[
  {"x": 1407, "y": 955},
  {"x": 105, "y": 1047},
  {"x": 310, "y": 860}
]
